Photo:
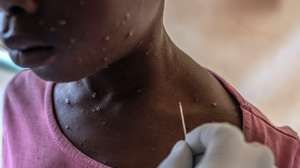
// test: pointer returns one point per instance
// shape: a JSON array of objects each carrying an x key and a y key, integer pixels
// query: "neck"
[{"x": 139, "y": 71}]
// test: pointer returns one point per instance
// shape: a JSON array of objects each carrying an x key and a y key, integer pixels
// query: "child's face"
[{"x": 65, "y": 40}]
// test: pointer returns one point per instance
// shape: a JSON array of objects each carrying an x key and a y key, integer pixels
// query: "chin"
[{"x": 52, "y": 75}]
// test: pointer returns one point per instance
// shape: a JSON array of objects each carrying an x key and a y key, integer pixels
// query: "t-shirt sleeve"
[
  {"x": 297, "y": 158},
  {"x": 22, "y": 107}
]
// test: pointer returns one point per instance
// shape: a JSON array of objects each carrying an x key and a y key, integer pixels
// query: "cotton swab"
[{"x": 182, "y": 119}]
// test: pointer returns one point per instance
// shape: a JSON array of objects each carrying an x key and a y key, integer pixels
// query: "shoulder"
[
  {"x": 24, "y": 78},
  {"x": 24, "y": 88},
  {"x": 252, "y": 115},
  {"x": 283, "y": 141},
  {"x": 23, "y": 81}
]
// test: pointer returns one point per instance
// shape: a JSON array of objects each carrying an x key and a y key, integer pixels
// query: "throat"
[{"x": 137, "y": 74}]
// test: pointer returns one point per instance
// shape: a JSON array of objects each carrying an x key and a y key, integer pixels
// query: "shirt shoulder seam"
[{"x": 269, "y": 124}]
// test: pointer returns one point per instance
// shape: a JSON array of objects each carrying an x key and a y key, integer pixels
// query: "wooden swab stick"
[{"x": 182, "y": 119}]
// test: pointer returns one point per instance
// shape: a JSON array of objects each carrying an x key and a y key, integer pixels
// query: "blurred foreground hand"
[{"x": 218, "y": 146}]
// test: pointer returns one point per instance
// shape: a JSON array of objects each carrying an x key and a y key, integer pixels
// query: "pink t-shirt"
[{"x": 33, "y": 139}]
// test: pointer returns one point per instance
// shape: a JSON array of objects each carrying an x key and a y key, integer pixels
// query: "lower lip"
[{"x": 33, "y": 58}]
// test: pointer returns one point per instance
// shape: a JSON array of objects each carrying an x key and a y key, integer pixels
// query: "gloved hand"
[{"x": 218, "y": 146}]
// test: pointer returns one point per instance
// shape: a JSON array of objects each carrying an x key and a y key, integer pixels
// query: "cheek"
[
  {"x": 102, "y": 42},
  {"x": 89, "y": 41}
]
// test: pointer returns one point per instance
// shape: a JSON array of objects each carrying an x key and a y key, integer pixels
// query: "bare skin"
[
  {"x": 119, "y": 104},
  {"x": 142, "y": 117}
]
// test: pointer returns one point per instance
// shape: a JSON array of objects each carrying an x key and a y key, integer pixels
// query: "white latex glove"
[{"x": 218, "y": 146}]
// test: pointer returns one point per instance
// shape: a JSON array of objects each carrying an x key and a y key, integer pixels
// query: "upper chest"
[
  {"x": 128, "y": 136},
  {"x": 128, "y": 133}
]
